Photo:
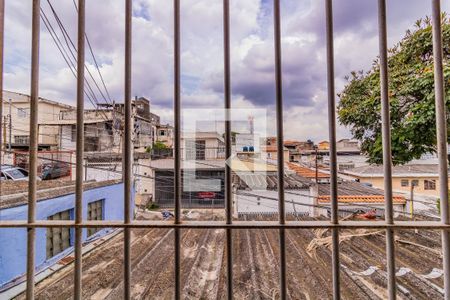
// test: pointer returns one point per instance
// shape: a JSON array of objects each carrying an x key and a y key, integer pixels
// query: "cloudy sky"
[{"x": 303, "y": 52}]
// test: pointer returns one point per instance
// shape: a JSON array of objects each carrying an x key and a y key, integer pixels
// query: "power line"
[
  {"x": 65, "y": 55},
  {"x": 93, "y": 57},
  {"x": 69, "y": 39}
]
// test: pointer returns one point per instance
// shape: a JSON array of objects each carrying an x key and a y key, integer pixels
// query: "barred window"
[
  {"x": 22, "y": 139},
  {"x": 429, "y": 184}
]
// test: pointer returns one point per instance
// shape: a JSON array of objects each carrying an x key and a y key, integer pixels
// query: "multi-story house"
[
  {"x": 104, "y": 126},
  {"x": 16, "y": 121}
]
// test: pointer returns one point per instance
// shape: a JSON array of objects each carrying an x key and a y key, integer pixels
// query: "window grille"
[
  {"x": 282, "y": 225},
  {"x": 22, "y": 139},
  {"x": 429, "y": 184}
]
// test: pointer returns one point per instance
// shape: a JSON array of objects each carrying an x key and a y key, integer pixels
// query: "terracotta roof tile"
[
  {"x": 306, "y": 172},
  {"x": 362, "y": 199}
]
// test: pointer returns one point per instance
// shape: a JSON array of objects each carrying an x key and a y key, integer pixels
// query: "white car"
[{"x": 13, "y": 173}]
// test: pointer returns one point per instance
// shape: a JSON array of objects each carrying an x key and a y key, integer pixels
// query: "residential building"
[
  {"x": 55, "y": 201},
  {"x": 270, "y": 141},
  {"x": 347, "y": 146},
  {"x": 101, "y": 130},
  {"x": 293, "y": 147},
  {"x": 164, "y": 134},
  {"x": 103, "y": 127},
  {"x": 16, "y": 122},
  {"x": 202, "y": 183},
  {"x": 424, "y": 177},
  {"x": 202, "y": 146},
  {"x": 269, "y": 152},
  {"x": 257, "y": 193},
  {"x": 323, "y": 145},
  {"x": 354, "y": 197},
  {"x": 299, "y": 145}
]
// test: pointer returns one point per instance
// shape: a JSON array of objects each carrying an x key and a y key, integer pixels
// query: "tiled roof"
[
  {"x": 362, "y": 199},
  {"x": 255, "y": 181},
  {"x": 271, "y": 148},
  {"x": 410, "y": 169},
  {"x": 349, "y": 188},
  {"x": 355, "y": 192},
  {"x": 291, "y": 143},
  {"x": 306, "y": 172}
]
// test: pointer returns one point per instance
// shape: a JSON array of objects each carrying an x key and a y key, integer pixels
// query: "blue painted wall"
[{"x": 13, "y": 241}]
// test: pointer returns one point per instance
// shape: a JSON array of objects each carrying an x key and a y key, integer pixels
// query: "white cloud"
[{"x": 304, "y": 60}]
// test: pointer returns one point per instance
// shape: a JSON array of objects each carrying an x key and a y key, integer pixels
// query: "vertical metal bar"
[
  {"x": 280, "y": 146},
  {"x": 10, "y": 127},
  {"x": 79, "y": 150},
  {"x": 386, "y": 138},
  {"x": 2, "y": 34},
  {"x": 33, "y": 148},
  {"x": 228, "y": 180},
  {"x": 177, "y": 150},
  {"x": 127, "y": 148},
  {"x": 441, "y": 132},
  {"x": 333, "y": 157}
]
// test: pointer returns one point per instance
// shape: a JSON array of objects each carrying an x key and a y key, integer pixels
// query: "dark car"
[{"x": 55, "y": 171}]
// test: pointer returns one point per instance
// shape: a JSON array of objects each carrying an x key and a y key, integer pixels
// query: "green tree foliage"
[
  {"x": 156, "y": 146},
  {"x": 411, "y": 92}
]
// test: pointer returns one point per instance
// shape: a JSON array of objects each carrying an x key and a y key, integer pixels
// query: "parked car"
[
  {"x": 55, "y": 170},
  {"x": 8, "y": 172}
]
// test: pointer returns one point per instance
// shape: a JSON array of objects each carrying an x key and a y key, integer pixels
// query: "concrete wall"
[
  {"x": 145, "y": 183},
  {"x": 273, "y": 155},
  {"x": 66, "y": 138},
  {"x": 13, "y": 241}
]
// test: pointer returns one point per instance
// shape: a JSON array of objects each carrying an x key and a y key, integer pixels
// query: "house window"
[
  {"x": 195, "y": 149},
  {"x": 58, "y": 238},
  {"x": 73, "y": 133},
  {"x": 22, "y": 112},
  {"x": 162, "y": 133},
  {"x": 415, "y": 182},
  {"x": 405, "y": 182},
  {"x": 95, "y": 213},
  {"x": 22, "y": 139},
  {"x": 429, "y": 184}
]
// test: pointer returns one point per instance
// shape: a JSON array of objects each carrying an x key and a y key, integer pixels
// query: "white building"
[
  {"x": 16, "y": 110},
  {"x": 202, "y": 146}
]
